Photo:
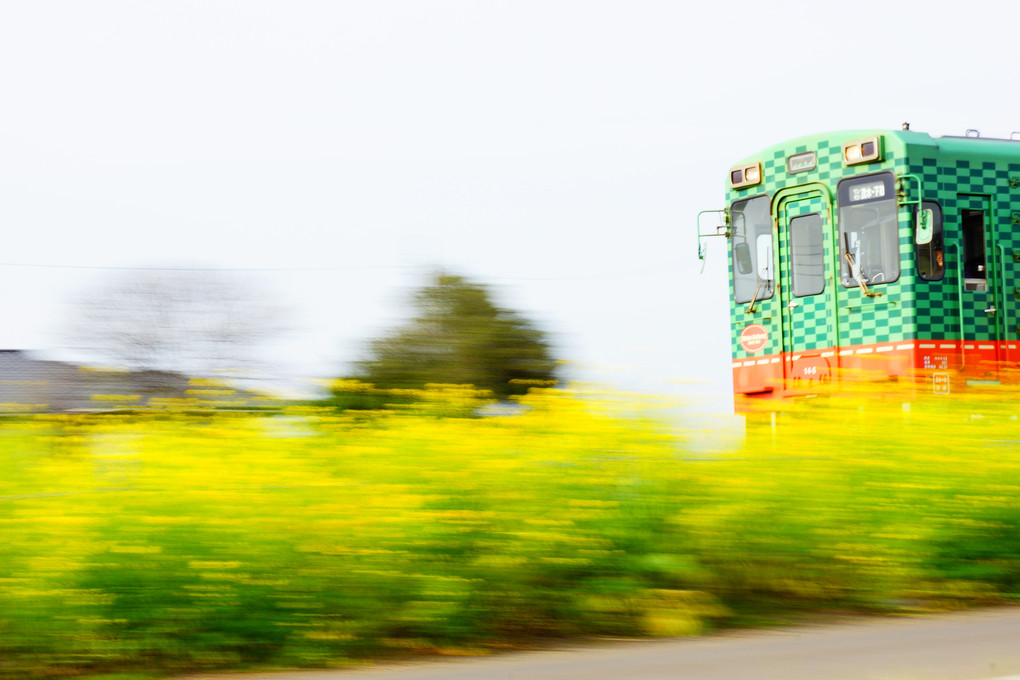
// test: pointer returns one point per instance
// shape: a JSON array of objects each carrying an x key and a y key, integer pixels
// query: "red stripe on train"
[{"x": 790, "y": 373}]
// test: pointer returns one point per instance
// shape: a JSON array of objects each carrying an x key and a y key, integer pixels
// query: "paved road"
[{"x": 964, "y": 646}]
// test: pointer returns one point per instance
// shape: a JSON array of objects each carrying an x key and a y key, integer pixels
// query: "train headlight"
[
  {"x": 745, "y": 176},
  {"x": 862, "y": 151}
]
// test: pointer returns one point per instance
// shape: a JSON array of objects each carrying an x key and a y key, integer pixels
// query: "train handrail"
[
  {"x": 903, "y": 194},
  {"x": 959, "y": 301},
  {"x": 1004, "y": 300}
]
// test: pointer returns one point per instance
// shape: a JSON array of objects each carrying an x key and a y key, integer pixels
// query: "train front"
[{"x": 817, "y": 290}]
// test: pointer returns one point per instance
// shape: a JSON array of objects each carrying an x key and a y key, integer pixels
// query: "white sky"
[{"x": 559, "y": 150}]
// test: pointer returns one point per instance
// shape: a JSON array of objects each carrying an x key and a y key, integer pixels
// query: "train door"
[
  {"x": 807, "y": 293},
  {"x": 980, "y": 288}
]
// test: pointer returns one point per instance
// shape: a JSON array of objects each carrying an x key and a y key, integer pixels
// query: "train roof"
[{"x": 911, "y": 141}]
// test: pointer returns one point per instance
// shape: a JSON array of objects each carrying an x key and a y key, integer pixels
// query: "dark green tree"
[{"x": 458, "y": 336}]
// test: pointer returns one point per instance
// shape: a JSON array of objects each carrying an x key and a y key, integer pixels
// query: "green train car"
[{"x": 873, "y": 255}]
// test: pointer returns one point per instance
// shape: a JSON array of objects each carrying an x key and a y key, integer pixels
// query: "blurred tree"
[
  {"x": 188, "y": 321},
  {"x": 459, "y": 336}
]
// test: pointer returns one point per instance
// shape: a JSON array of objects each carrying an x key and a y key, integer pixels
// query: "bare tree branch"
[{"x": 192, "y": 322}]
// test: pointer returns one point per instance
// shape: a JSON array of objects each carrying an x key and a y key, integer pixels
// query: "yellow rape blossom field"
[{"x": 150, "y": 544}]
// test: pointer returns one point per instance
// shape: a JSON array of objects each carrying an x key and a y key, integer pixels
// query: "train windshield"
[
  {"x": 751, "y": 225},
  {"x": 868, "y": 230}
]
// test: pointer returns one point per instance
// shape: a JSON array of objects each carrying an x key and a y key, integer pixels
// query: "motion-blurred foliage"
[
  {"x": 457, "y": 336},
  {"x": 167, "y": 543}
]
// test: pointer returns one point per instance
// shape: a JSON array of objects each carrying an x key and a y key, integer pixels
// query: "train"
[{"x": 870, "y": 256}]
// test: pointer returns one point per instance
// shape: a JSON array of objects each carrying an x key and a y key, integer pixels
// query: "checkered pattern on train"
[
  {"x": 889, "y": 315},
  {"x": 811, "y": 324},
  {"x": 816, "y": 319},
  {"x": 867, "y": 320},
  {"x": 939, "y": 310},
  {"x": 1005, "y": 219}
]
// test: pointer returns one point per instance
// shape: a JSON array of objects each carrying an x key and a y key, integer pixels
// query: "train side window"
[
  {"x": 931, "y": 265},
  {"x": 751, "y": 233},
  {"x": 975, "y": 266},
  {"x": 807, "y": 255}
]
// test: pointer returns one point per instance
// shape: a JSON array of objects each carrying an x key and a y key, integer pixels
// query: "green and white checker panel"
[
  {"x": 808, "y": 319},
  {"x": 992, "y": 186},
  {"x": 888, "y": 316},
  {"x": 977, "y": 323},
  {"x": 961, "y": 174},
  {"x": 859, "y": 319},
  {"x": 937, "y": 307}
]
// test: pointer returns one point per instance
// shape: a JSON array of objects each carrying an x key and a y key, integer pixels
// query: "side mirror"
[
  {"x": 925, "y": 226},
  {"x": 742, "y": 258}
]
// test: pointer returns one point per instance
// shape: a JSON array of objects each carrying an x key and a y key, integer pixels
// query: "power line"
[
  {"x": 645, "y": 271},
  {"x": 209, "y": 269}
]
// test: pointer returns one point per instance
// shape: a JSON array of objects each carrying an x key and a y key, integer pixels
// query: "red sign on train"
[{"x": 754, "y": 338}]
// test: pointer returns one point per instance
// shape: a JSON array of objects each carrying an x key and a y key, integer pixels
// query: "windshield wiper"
[
  {"x": 754, "y": 298},
  {"x": 855, "y": 271}
]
